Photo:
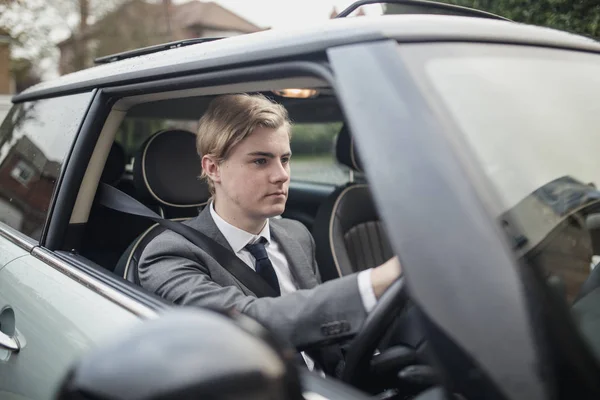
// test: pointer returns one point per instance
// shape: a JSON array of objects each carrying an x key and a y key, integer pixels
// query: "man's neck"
[{"x": 235, "y": 217}]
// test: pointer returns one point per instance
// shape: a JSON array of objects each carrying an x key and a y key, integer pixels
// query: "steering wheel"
[{"x": 377, "y": 323}]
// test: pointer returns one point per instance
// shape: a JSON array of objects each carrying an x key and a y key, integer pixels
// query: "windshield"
[{"x": 531, "y": 116}]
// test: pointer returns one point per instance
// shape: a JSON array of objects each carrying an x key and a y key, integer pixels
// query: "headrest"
[
  {"x": 167, "y": 169},
  {"x": 114, "y": 166},
  {"x": 345, "y": 151}
]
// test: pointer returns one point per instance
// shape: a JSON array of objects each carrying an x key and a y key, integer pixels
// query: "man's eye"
[
  {"x": 260, "y": 161},
  {"x": 285, "y": 160}
]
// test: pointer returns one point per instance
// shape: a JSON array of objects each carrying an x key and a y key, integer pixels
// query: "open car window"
[{"x": 312, "y": 144}]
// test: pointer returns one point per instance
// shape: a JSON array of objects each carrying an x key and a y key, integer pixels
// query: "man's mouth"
[{"x": 277, "y": 194}]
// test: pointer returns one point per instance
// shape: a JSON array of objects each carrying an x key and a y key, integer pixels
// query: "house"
[
  {"x": 27, "y": 180},
  {"x": 137, "y": 23}
]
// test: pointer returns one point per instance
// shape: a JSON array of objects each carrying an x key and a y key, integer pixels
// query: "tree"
[
  {"x": 577, "y": 16},
  {"x": 37, "y": 25},
  {"x": 23, "y": 72}
]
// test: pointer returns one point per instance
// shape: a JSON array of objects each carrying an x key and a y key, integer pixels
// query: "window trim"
[
  {"x": 14, "y": 236},
  {"x": 74, "y": 169},
  {"x": 101, "y": 107},
  {"x": 142, "y": 309},
  {"x": 80, "y": 268}
]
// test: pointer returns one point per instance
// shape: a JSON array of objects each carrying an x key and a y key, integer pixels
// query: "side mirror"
[{"x": 186, "y": 354}]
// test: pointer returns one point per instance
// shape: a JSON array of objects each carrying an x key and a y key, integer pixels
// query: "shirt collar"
[{"x": 236, "y": 237}]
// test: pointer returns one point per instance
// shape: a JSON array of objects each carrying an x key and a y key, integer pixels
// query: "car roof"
[{"x": 287, "y": 43}]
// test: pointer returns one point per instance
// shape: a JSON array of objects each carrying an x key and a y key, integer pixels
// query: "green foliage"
[
  {"x": 134, "y": 131},
  {"x": 307, "y": 139},
  {"x": 577, "y": 16},
  {"x": 313, "y": 139},
  {"x": 34, "y": 26}
]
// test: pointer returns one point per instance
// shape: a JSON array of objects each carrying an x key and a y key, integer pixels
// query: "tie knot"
[{"x": 258, "y": 250}]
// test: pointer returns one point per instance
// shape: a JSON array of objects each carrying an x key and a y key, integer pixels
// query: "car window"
[
  {"x": 531, "y": 117},
  {"x": 312, "y": 146},
  {"x": 133, "y": 132},
  {"x": 35, "y": 138},
  {"x": 313, "y": 152}
]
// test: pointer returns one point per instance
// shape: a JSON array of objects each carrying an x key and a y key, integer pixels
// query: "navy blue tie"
[{"x": 263, "y": 265}]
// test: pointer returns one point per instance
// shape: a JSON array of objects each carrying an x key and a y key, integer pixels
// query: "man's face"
[{"x": 254, "y": 179}]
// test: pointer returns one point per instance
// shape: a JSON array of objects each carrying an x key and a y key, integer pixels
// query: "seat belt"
[{"x": 115, "y": 199}]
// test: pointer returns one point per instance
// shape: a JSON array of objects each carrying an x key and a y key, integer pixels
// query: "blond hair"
[{"x": 230, "y": 118}]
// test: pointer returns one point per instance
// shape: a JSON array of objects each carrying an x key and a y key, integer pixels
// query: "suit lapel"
[{"x": 300, "y": 265}]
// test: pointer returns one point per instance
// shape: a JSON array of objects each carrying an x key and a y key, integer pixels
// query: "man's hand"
[{"x": 384, "y": 275}]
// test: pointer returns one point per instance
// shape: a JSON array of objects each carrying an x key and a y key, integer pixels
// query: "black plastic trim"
[
  {"x": 153, "y": 49},
  {"x": 237, "y": 75},
  {"x": 76, "y": 165},
  {"x": 56, "y": 194},
  {"x": 312, "y": 189},
  {"x": 327, "y": 388},
  {"x": 453, "y": 9},
  {"x": 464, "y": 376}
]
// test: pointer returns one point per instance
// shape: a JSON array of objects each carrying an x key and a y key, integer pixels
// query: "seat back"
[
  {"x": 101, "y": 243},
  {"x": 166, "y": 170},
  {"x": 349, "y": 235}
]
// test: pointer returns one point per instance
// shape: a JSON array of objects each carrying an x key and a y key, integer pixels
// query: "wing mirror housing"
[{"x": 186, "y": 354}]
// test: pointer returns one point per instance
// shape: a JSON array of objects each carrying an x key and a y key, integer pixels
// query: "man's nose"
[{"x": 281, "y": 172}]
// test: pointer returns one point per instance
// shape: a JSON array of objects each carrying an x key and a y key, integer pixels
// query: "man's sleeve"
[
  {"x": 171, "y": 268},
  {"x": 365, "y": 287}
]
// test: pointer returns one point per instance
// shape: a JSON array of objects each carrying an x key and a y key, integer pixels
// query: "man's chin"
[{"x": 274, "y": 210}]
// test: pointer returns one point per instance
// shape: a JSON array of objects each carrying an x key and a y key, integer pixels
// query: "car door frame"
[
  {"x": 58, "y": 247},
  {"x": 416, "y": 177},
  {"x": 57, "y": 237}
]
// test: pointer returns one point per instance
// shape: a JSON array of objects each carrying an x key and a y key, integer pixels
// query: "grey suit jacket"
[{"x": 175, "y": 269}]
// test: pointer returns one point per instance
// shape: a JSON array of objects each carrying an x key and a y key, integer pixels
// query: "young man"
[{"x": 244, "y": 144}]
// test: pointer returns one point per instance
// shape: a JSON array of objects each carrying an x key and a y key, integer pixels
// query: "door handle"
[
  {"x": 9, "y": 343},
  {"x": 8, "y": 330}
]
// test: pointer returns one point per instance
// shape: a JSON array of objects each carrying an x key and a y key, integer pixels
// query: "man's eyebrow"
[
  {"x": 267, "y": 154},
  {"x": 262, "y": 154}
]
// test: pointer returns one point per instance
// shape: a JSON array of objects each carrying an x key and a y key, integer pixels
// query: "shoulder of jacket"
[{"x": 293, "y": 228}]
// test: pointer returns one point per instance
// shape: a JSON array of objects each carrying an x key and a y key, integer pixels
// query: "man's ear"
[{"x": 211, "y": 167}]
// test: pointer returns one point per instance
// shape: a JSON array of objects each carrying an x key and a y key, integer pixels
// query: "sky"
[{"x": 288, "y": 13}]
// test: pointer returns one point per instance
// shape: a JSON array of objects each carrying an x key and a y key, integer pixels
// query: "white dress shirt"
[{"x": 239, "y": 238}]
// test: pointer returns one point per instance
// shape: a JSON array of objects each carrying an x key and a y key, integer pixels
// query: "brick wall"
[{"x": 35, "y": 195}]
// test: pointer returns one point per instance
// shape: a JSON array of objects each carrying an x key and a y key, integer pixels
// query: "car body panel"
[
  {"x": 282, "y": 43},
  {"x": 12, "y": 245},
  {"x": 57, "y": 319}
]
